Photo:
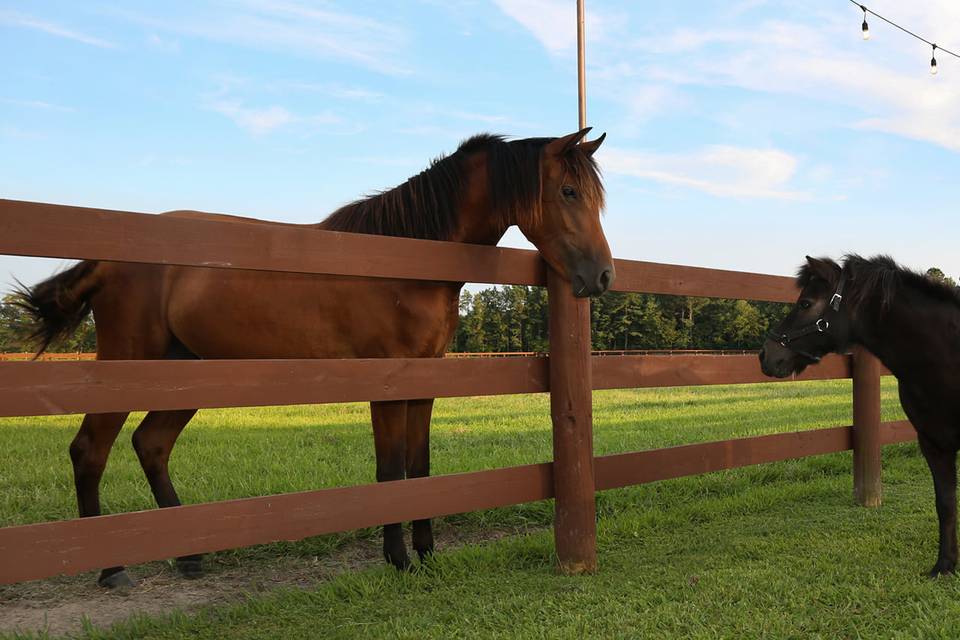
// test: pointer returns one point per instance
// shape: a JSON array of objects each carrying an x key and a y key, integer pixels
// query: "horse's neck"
[
  {"x": 915, "y": 332},
  {"x": 478, "y": 223}
]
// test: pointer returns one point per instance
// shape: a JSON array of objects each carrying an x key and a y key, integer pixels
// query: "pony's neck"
[{"x": 915, "y": 330}]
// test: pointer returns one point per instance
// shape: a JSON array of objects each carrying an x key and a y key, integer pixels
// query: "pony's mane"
[
  {"x": 426, "y": 206},
  {"x": 881, "y": 277}
]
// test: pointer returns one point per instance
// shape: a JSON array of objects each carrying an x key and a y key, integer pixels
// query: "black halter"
[{"x": 820, "y": 325}]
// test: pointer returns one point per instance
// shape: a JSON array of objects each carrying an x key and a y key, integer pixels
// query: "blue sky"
[{"x": 741, "y": 134}]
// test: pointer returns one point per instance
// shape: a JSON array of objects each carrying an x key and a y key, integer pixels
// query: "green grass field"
[{"x": 777, "y": 550}]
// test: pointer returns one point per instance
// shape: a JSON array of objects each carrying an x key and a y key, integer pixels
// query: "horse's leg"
[
  {"x": 418, "y": 465},
  {"x": 389, "y": 437},
  {"x": 89, "y": 451},
  {"x": 153, "y": 441},
  {"x": 943, "y": 467}
]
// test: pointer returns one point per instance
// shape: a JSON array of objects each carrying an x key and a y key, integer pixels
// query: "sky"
[{"x": 742, "y": 134}]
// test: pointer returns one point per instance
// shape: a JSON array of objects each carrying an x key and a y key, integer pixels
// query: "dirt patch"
[{"x": 59, "y": 606}]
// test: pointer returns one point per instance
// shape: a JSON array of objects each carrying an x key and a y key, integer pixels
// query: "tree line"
[{"x": 514, "y": 318}]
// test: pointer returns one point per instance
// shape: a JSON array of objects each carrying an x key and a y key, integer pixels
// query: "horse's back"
[{"x": 223, "y": 217}]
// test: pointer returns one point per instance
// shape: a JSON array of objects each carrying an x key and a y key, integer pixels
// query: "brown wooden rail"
[
  {"x": 67, "y": 547},
  {"x": 59, "y": 231},
  {"x": 50, "y": 388}
]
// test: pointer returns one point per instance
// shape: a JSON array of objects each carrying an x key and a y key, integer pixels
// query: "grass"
[{"x": 777, "y": 550}]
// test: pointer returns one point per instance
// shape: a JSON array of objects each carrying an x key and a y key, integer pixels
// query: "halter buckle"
[
  {"x": 822, "y": 325},
  {"x": 835, "y": 301}
]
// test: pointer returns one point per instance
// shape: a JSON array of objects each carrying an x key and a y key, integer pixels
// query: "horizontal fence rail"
[
  {"x": 60, "y": 231},
  {"x": 34, "y": 551},
  {"x": 52, "y": 388}
]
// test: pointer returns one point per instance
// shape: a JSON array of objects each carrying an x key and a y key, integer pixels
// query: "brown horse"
[{"x": 549, "y": 187}]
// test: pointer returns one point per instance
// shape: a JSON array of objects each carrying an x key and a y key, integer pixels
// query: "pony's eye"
[
  {"x": 568, "y": 192},
  {"x": 805, "y": 304}
]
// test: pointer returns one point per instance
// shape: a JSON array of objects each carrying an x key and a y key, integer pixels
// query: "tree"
[{"x": 935, "y": 273}]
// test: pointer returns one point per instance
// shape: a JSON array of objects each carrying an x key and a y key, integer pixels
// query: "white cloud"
[
  {"x": 884, "y": 84},
  {"x": 720, "y": 170},
  {"x": 339, "y": 91},
  {"x": 293, "y": 28},
  {"x": 261, "y": 121},
  {"x": 15, "y": 19},
  {"x": 36, "y": 104},
  {"x": 162, "y": 44},
  {"x": 553, "y": 22}
]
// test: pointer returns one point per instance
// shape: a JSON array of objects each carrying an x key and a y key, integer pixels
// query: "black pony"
[{"x": 912, "y": 324}]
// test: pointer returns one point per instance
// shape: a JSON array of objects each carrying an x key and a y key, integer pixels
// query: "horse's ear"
[
  {"x": 559, "y": 146},
  {"x": 823, "y": 268},
  {"x": 591, "y": 147}
]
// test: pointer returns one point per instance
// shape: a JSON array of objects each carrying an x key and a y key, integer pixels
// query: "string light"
[{"x": 865, "y": 30}]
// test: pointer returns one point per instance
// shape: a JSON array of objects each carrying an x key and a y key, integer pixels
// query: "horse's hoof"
[
  {"x": 190, "y": 569},
  {"x": 400, "y": 562},
  {"x": 940, "y": 571},
  {"x": 117, "y": 580}
]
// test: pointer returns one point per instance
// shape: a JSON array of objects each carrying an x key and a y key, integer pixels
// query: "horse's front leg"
[
  {"x": 943, "y": 467},
  {"x": 418, "y": 466},
  {"x": 390, "y": 440}
]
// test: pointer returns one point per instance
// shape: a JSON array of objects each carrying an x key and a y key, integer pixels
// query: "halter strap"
[{"x": 820, "y": 325}]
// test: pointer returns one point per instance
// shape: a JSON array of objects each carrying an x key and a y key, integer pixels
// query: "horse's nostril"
[{"x": 605, "y": 279}]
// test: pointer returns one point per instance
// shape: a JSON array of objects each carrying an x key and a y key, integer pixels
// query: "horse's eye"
[
  {"x": 805, "y": 304},
  {"x": 568, "y": 192}
]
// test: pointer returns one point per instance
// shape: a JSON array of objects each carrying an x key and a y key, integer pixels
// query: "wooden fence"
[{"x": 46, "y": 388}]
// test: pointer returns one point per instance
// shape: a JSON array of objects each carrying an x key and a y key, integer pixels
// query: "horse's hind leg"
[
  {"x": 153, "y": 441},
  {"x": 943, "y": 467},
  {"x": 389, "y": 438},
  {"x": 89, "y": 451},
  {"x": 418, "y": 466}
]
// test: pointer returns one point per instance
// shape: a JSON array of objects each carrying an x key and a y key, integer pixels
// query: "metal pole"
[{"x": 581, "y": 67}]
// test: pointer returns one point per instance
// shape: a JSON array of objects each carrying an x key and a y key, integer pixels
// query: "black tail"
[{"x": 58, "y": 305}]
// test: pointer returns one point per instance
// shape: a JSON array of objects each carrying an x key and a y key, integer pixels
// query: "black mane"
[
  {"x": 426, "y": 205},
  {"x": 882, "y": 277}
]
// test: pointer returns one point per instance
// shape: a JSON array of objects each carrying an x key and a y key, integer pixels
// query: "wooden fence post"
[
  {"x": 866, "y": 428},
  {"x": 571, "y": 407}
]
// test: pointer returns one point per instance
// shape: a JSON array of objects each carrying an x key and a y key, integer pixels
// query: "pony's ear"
[
  {"x": 559, "y": 146},
  {"x": 823, "y": 268},
  {"x": 591, "y": 147}
]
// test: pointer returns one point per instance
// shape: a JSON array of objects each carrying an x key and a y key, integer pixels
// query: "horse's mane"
[
  {"x": 882, "y": 277},
  {"x": 426, "y": 206}
]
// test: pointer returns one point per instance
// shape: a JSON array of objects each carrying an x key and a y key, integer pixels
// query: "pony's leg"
[
  {"x": 89, "y": 451},
  {"x": 418, "y": 465},
  {"x": 389, "y": 437},
  {"x": 943, "y": 467},
  {"x": 153, "y": 441}
]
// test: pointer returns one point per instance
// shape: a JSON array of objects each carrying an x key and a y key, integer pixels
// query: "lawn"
[{"x": 777, "y": 550}]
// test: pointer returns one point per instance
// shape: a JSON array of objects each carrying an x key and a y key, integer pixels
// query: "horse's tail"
[{"x": 58, "y": 305}]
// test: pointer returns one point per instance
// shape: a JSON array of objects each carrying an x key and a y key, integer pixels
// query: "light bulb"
[
  {"x": 865, "y": 29},
  {"x": 933, "y": 66}
]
